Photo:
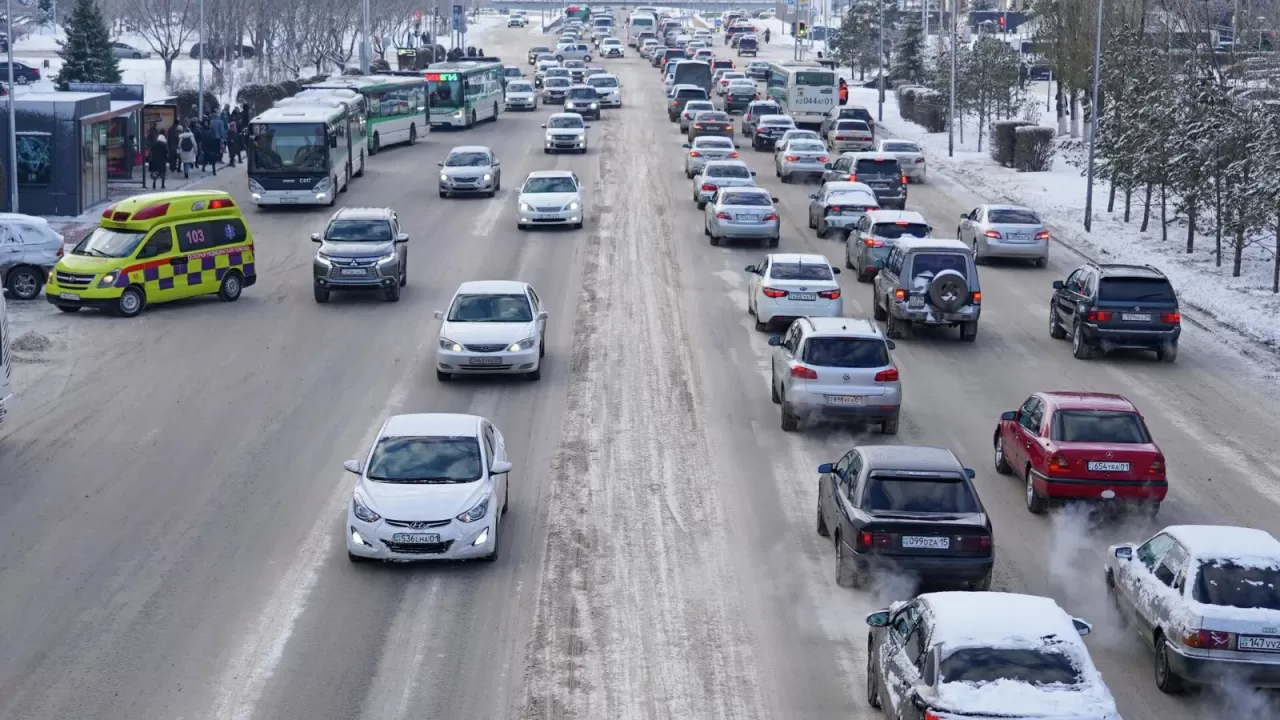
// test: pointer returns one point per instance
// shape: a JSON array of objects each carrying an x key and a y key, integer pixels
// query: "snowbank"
[{"x": 1245, "y": 304}]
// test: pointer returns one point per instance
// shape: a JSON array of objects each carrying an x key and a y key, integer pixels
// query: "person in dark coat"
[
  {"x": 212, "y": 147},
  {"x": 175, "y": 160},
  {"x": 233, "y": 142},
  {"x": 159, "y": 162}
]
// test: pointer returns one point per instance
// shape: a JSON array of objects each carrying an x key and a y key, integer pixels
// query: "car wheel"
[
  {"x": 977, "y": 257},
  {"x": 789, "y": 421},
  {"x": 873, "y": 687},
  {"x": 846, "y": 575},
  {"x": 822, "y": 229},
  {"x": 232, "y": 286},
  {"x": 969, "y": 331},
  {"x": 443, "y": 376},
  {"x": 497, "y": 544},
  {"x": 982, "y": 585},
  {"x": 773, "y": 393},
  {"x": 876, "y": 311},
  {"x": 536, "y": 375},
  {"x": 1080, "y": 347},
  {"x": 322, "y": 296},
  {"x": 1056, "y": 330},
  {"x": 506, "y": 498},
  {"x": 715, "y": 241},
  {"x": 1167, "y": 681},
  {"x": 812, "y": 223},
  {"x": 1167, "y": 353},
  {"x": 137, "y": 56},
  {"x": 413, "y": 132},
  {"x": 890, "y": 425},
  {"x": 391, "y": 294},
  {"x": 822, "y": 523},
  {"x": 24, "y": 283},
  {"x": 1036, "y": 503},
  {"x": 1002, "y": 463},
  {"x": 130, "y": 303},
  {"x": 892, "y": 328},
  {"x": 1042, "y": 262}
]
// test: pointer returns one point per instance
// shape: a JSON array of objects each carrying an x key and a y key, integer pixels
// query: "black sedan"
[
  {"x": 769, "y": 129},
  {"x": 22, "y": 73},
  {"x": 910, "y": 510}
]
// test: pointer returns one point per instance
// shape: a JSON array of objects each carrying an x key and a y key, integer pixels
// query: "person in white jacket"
[{"x": 186, "y": 150}]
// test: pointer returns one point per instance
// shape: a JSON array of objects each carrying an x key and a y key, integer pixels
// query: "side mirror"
[
  {"x": 753, "y": 173},
  {"x": 891, "y": 344},
  {"x": 969, "y": 473},
  {"x": 1082, "y": 627},
  {"x": 775, "y": 341},
  {"x": 402, "y": 238},
  {"x": 542, "y": 314},
  {"x": 315, "y": 237},
  {"x": 929, "y": 228},
  {"x": 686, "y": 146},
  {"x": 1124, "y": 552},
  {"x": 736, "y": 146},
  {"x": 586, "y": 126},
  {"x": 774, "y": 199},
  {"x": 879, "y": 618},
  {"x": 879, "y": 264},
  {"x": 1058, "y": 284},
  {"x": 439, "y": 164},
  {"x": 835, "y": 270},
  {"x": 916, "y": 700},
  {"x": 1009, "y": 416},
  {"x": 964, "y": 216},
  {"x": 825, "y": 468},
  {"x": 352, "y": 466},
  {"x": 498, "y": 164},
  {"x": 544, "y": 125},
  {"x": 500, "y": 467},
  {"x": 813, "y": 196},
  {"x": 826, "y": 166},
  {"x": 750, "y": 269},
  {"x": 439, "y": 314},
  {"x": 333, "y": 142}
]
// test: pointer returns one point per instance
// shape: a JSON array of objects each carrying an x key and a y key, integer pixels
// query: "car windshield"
[
  {"x": 747, "y": 199},
  {"x": 583, "y": 94},
  {"x": 878, "y": 168},
  {"x": 728, "y": 171},
  {"x": 803, "y": 135},
  {"x": 550, "y": 185},
  {"x": 491, "y": 309},
  {"x": 512, "y": 72},
  {"x": 467, "y": 159},
  {"x": 520, "y": 87},
  {"x": 1099, "y": 426},
  {"x": 1118, "y": 289},
  {"x": 852, "y": 197},
  {"x": 846, "y": 352},
  {"x": 566, "y": 122},
  {"x": 603, "y": 82},
  {"x": 930, "y": 264},
  {"x": 733, "y": 76},
  {"x": 1224, "y": 583},
  {"x": 108, "y": 243},
  {"x": 926, "y": 495},
  {"x": 557, "y": 82},
  {"x": 806, "y": 146},
  {"x": 1012, "y": 217},
  {"x": 742, "y": 84},
  {"x": 409, "y": 460},
  {"x": 799, "y": 271},
  {"x": 1032, "y": 666},
  {"x": 900, "y": 147},
  {"x": 895, "y": 230},
  {"x": 378, "y": 231}
]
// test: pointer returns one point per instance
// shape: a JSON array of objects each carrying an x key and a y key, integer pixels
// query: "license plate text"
[
  {"x": 1096, "y": 466},
  {"x": 927, "y": 543}
]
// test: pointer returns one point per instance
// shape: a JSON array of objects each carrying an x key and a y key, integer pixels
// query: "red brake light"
[
  {"x": 709, "y": 188},
  {"x": 834, "y": 209},
  {"x": 904, "y": 180},
  {"x": 1042, "y": 235},
  {"x": 152, "y": 212},
  {"x": 853, "y": 178},
  {"x": 977, "y": 298},
  {"x": 822, "y": 158},
  {"x": 694, "y": 153},
  {"x": 1157, "y": 468},
  {"x": 873, "y": 243},
  {"x": 900, "y": 295},
  {"x": 792, "y": 158},
  {"x": 1098, "y": 316},
  {"x": 904, "y": 224},
  {"x": 774, "y": 293},
  {"x": 59, "y": 252},
  {"x": 220, "y": 203},
  {"x": 992, "y": 234},
  {"x": 698, "y": 125},
  {"x": 1172, "y": 317},
  {"x": 931, "y": 715},
  {"x": 724, "y": 216},
  {"x": 1210, "y": 640},
  {"x": 804, "y": 373},
  {"x": 107, "y": 213},
  {"x": 829, "y": 294},
  {"x": 770, "y": 216},
  {"x": 868, "y": 540},
  {"x": 733, "y": 154},
  {"x": 890, "y": 375},
  {"x": 1058, "y": 464}
]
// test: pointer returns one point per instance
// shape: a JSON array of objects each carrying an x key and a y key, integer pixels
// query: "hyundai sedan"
[{"x": 742, "y": 214}]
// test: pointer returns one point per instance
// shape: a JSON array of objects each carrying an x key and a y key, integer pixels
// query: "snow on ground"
[{"x": 1245, "y": 304}]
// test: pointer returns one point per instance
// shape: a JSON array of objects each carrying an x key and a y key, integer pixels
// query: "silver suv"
[
  {"x": 835, "y": 367},
  {"x": 361, "y": 249},
  {"x": 929, "y": 282}
]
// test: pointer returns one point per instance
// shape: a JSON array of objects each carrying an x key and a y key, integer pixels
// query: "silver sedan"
[
  {"x": 720, "y": 174},
  {"x": 1006, "y": 231},
  {"x": 800, "y": 157},
  {"x": 746, "y": 213},
  {"x": 707, "y": 148}
]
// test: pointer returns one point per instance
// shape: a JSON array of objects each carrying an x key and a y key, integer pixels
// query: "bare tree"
[{"x": 166, "y": 25}]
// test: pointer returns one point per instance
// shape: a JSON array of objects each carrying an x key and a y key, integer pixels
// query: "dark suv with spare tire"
[
  {"x": 1105, "y": 307},
  {"x": 928, "y": 282}
]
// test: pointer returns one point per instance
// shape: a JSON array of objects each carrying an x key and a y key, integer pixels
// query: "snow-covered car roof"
[
  {"x": 1224, "y": 542},
  {"x": 997, "y": 619}
]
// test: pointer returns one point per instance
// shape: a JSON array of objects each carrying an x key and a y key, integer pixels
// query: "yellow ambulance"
[{"x": 155, "y": 248}]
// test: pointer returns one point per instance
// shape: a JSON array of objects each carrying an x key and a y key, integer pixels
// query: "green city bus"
[{"x": 464, "y": 92}]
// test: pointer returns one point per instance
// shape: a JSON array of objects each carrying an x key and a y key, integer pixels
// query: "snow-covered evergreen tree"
[
  {"x": 87, "y": 55},
  {"x": 46, "y": 11},
  {"x": 908, "y": 54}
]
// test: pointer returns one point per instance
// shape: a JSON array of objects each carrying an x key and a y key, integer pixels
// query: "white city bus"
[
  {"x": 804, "y": 90},
  {"x": 299, "y": 155},
  {"x": 357, "y": 118},
  {"x": 397, "y": 106},
  {"x": 639, "y": 22},
  {"x": 6, "y": 362}
]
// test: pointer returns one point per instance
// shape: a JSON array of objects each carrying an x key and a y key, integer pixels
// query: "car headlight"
[
  {"x": 574, "y": 205},
  {"x": 322, "y": 259},
  {"x": 109, "y": 279},
  {"x": 255, "y": 186},
  {"x": 477, "y": 511},
  {"x": 389, "y": 257},
  {"x": 457, "y": 113},
  {"x": 595, "y": 105},
  {"x": 451, "y": 346},
  {"x": 363, "y": 512},
  {"x": 525, "y": 344},
  {"x": 444, "y": 178},
  {"x": 524, "y": 207},
  {"x": 487, "y": 177},
  {"x": 322, "y": 186}
]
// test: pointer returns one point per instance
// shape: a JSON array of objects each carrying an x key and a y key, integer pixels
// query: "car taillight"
[
  {"x": 1210, "y": 640},
  {"x": 833, "y": 210},
  {"x": 733, "y": 154},
  {"x": 1042, "y": 235},
  {"x": 1172, "y": 317},
  {"x": 900, "y": 295},
  {"x": 853, "y": 178},
  {"x": 974, "y": 542},
  {"x": 1098, "y": 316},
  {"x": 843, "y": 137},
  {"x": 829, "y": 294},
  {"x": 770, "y": 216},
  {"x": 791, "y": 158},
  {"x": 694, "y": 153},
  {"x": 992, "y": 234},
  {"x": 890, "y": 375},
  {"x": 975, "y": 298},
  {"x": 931, "y": 715},
  {"x": 869, "y": 242},
  {"x": 868, "y": 540},
  {"x": 723, "y": 216},
  {"x": 709, "y": 188},
  {"x": 675, "y": 103},
  {"x": 1058, "y": 464},
  {"x": 1157, "y": 468},
  {"x": 804, "y": 373},
  {"x": 919, "y": 160},
  {"x": 904, "y": 180},
  {"x": 697, "y": 126},
  {"x": 774, "y": 292},
  {"x": 59, "y": 252},
  {"x": 822, "y": 158}
]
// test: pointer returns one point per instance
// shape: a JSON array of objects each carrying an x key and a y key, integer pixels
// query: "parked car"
[
  {"x": 124, "y": 50},
  {"x": 29, "y": 248},
  {"x": 1107, "y": 307},
  {"x": 23, "y": 73}
]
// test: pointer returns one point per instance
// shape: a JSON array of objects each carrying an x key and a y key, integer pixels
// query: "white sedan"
[
  {"x": 433, "y": 487},
  {"x": 910, "y": 157},
  {"x": 492, "y": 327},
  {"x": 786, "y": 286}
]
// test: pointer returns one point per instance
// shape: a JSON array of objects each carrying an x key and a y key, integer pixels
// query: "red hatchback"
[{"x": 1081, "y": 446}]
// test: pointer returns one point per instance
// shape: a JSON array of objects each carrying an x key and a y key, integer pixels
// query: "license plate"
[
  {"x": 288, "y": 200},
  {"x": 915, "y": 302},
  {"x": 748, "y": 218},
  {"x": 926, "y": 543},
  {"x": 803, "y": 296},
  {"x": 1136, "y": 317},
  {"x": 353, "y": 271},
  {"x": 1096, "y": 466},
  {"x": 69, "y": 296},
  {"x": 1265, "y": 644},
  {"x": 845, "y": 400},
  {"x": 486, "y": 361},
  {"x": 416, "y": 537}
]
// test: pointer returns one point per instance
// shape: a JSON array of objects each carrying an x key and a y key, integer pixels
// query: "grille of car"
[
  {"x": 423, "y": 524},
  {"x": 418, "y": 548},
  {"x": 466, "y": 179},
  {"x": 547, "y": 209},
  {"x": 354, "y": 262},
  {"x": 484, "y": 348},
  {"x": 564, "y": 138},
  {"x": 67, "y": 279}
]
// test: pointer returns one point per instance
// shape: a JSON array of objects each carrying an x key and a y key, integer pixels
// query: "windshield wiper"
[{"x": 91, "y": 252}]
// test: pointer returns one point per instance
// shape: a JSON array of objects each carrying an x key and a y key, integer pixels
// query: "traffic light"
[
  {"x": 417, "y": 19},
  {"x": 802, "y": 30},
  {"x": 1002, "y": 23}
]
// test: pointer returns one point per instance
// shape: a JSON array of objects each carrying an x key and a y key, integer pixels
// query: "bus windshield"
[
  {"x": 446, "y": 93},
  {"x": 290, "y": 147}
]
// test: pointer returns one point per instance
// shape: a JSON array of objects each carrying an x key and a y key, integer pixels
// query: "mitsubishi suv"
[{"x": 361, "y": 249}]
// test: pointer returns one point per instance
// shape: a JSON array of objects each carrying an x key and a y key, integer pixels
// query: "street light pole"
[
  {"x": 204, "y": 49},
  {"x": 1093, "y": 122},
  {"x": 880, "y": 63},
  {"x": 951, "y": 111},
  {"x": 366, "y": 49},
  {"x": 13, "y": 128}
]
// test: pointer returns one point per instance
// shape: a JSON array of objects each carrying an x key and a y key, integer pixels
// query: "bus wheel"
[
  {"x": 495, "y": 112},
  {"x": 360, "y": 172},
  {"x": 413, "y": 134},
  {"x": 334, "y": 199},
  {"x": 473, "y": 119},
  {"x": 373, "y": 149}
]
